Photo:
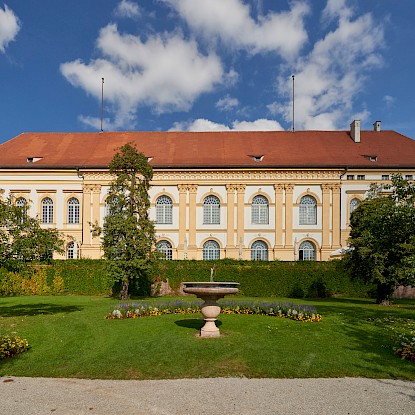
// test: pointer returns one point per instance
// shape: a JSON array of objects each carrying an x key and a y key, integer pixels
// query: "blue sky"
[{"x": 197, "y": 65}]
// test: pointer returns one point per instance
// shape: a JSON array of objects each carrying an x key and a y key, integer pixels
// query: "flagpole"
[{"x": 102, "y": 103}]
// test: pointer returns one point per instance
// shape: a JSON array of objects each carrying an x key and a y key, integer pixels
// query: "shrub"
[
  {"x": 405, "y": 347},
  {"x": 11, "y": 346},
  {"x": 37, "y": 282},
  {"x": 11, "y": 283},
  {"x": 58, "y": 285}
]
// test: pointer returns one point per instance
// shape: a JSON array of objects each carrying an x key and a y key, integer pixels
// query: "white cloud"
[
  {"x": 227, "y": 103},
  {"x": 9, "y": 27},
  {"x": 261, "y": 124},
  {"x": 331, "y": 76},
  {"x": 202, "y": 124},
  {"x": 165, "y": 72},
  {"x": 389, "y": 100},
  {"x": 127, "y": 9},
  {"x": 231, "y": 22},
  {"x": 335, "y": 9}
]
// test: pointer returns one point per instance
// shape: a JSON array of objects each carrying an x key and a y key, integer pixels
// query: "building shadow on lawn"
[
  {"x": 370, "y": 328},
  {"x": 378, "y": 359},
  {"x": 355, "y": 312},
  {"x": 36, "y": 309}
]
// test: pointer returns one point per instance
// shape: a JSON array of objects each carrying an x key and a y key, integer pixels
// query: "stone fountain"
[{"x": 210, "y": 292}]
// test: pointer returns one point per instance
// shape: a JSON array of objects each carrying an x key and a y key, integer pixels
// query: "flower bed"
[
  {"x": 402, "y": 335},
  {"x": 11, "y": 346},
  {"x": 405, "y": 347},
  {"x": 282, "y": 310}
]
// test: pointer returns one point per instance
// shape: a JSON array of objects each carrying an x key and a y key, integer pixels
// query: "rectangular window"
[
  {"x": 164, "y": 214},
  {"x": 260, "y": 214},
  {"x": 308, "y": 215},
  {"x": 409, "y": 177},
  {"x": 47, "y": 214},
  {"x": 350, "y": 177},
  {"x": 211, "y": 214},
  {"x": 360, "y": 177},
  {"x": 385, "y": 176},
  {"x": 73, "y": 214}
]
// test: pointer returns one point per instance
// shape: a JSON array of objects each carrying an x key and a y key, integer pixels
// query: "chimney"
[
  {"x": 355, "y": 131},
  {"x": 376, "y": 126}
]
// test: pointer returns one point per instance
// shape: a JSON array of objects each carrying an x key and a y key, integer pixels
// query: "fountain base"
[{"x": 210, "y": 292}]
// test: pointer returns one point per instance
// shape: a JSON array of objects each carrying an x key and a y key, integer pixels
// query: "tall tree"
[
  {"x": 128, "y": 232},
  {"x": 22, "y": 239},
  {"x": 382, "y": 237}
]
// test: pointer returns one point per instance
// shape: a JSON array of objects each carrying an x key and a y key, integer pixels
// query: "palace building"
[{"x": 272, "y": 195}]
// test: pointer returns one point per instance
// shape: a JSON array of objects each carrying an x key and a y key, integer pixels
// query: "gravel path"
[{"x": 40, "y": 396}]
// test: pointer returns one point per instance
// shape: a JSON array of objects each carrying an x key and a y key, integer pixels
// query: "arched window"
[
  {"x": 73, "y": 210},
  {"x": 165, "y": 248},
  {"x": 211, "y": 210},
  {"x": 47, "y": 210},
  {"x": 164, "y": 210},
  {"x": 259, "y": 251},
  {"x": 259, "y": 210},
  {"x": 21, "y": 202},
  {"x": 72, "y": 250},
  {"x": 307, "y": 251},
  {"x": 211, "y": 250},
  {"x": 308, "y": 211},
  {"x": 354, "y": 203},
  {"x": 111, "y": 205}
]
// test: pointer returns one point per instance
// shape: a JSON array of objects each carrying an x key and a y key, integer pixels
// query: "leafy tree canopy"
[
  {"x": 21, "y": 237},
  {"x": 128, "y": 232},
  {"x": 382, "y": 237}
]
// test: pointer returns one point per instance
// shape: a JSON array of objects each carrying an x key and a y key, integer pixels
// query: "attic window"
[
  {"x": 149, "y": 158},
  {"x": 257, "y": 158},
  {"x": 33, "y": 159},
  {"x": 371, "y": 157}
]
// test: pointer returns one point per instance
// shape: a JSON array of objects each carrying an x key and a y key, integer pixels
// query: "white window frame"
[
  {"x": 164, "y": 210},
  {"x": 21, "y": 202},
  {"x": 307, "y": 251},
  {"x": 47, "y": 210},
  {"x": 211, "y": 250},
  {"x": 73, "y": 210},
  {"x": 308, "y": 210},
  {"x": 211, "y": 210},
  {"x": 259, "y": 251},
  {"x": 353, "y": 204},
  {"x": 72, "y": 250},
  {"x": 260, "y": 210},
  {"x": 165, "y": 248}
]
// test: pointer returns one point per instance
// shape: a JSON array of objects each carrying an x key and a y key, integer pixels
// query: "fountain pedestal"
[{"x": 210, "y": 292}]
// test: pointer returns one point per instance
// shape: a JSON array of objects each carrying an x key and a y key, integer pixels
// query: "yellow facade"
[{"x": 235, "y": 233}]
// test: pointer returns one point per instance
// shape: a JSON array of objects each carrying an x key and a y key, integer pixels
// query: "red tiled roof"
[{"x": 229, "y": 149}]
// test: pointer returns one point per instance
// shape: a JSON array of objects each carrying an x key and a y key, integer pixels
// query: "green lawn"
[{"x": 71, "y": 338}]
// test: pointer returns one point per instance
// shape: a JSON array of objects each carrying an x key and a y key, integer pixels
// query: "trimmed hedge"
[
  {"x": 79, "y": 277},
  {"x": 82, "y": 276},
  {"x": 269, "y": 279},
  {"x": 256, "y": 278}
]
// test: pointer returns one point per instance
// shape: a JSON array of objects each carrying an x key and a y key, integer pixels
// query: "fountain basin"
[{"x": 210, "y": 292}]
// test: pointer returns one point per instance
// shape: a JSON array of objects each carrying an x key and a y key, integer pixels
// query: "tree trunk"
[
  {"x": 383, "y": 292},
  {"x": 124, "y": 290}
]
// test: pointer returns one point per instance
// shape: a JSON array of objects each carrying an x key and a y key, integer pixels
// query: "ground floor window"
[
  {"x": 307, "y": 251},
  {"x": 165, "y": 248},
  {"x": 211, "y": 250},
  {"x": 259, "y": 251},
  {"x": 72, "y": 251}
]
